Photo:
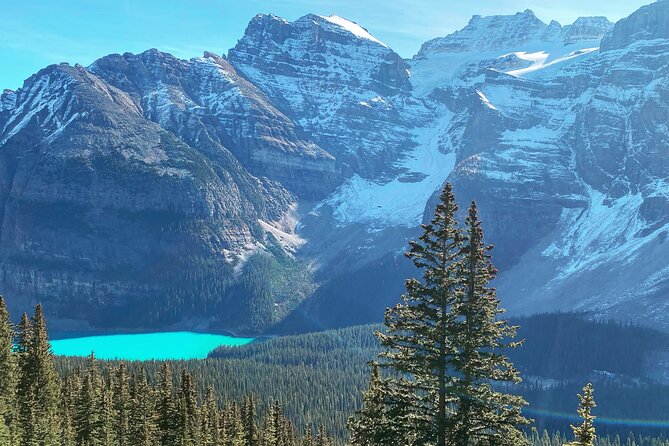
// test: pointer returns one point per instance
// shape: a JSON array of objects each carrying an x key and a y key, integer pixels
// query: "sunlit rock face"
[
  {"x": 207, "y": 103},
  {"x": 348, "y": 90},
  {"x": 100, "y": 205}
]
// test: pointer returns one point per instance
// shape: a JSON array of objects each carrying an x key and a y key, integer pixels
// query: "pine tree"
[
  {"x": 107, "y": 415},
  {"x": 70, "y": 388},
  {"x": 188, "y": 415},
  {"x": 417, "y": 343},
  {"x": 370, "y": 425},
  {"x": 210, "y": 424},
  {"x": 142, "y": 426},
  {"x": 322, "y": 438},
  {"x": 291, "y": 437},
  {"x": 38, "y": 389},
  {"x": 233, "y": 426},
  {"x": 275, "y": 432},
  {"x": 482, "y": 415},
  {"x": 8, "y": 374},
  {"x": 121, "y": 403},
  {"x": 252, "y": 437},
  {"x": 87, "y": 416},
  {"x": 165, "y": 407},
  {"x": 307, "y": 438},
  {"x": 584, "y": 433},
  {"x": 444, "y": 344}
]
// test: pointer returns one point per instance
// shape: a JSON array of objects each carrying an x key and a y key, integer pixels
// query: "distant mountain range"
[{"x": 138, "y": 191}]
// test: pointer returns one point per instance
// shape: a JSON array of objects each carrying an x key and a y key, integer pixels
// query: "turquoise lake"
[{"x": 146, "y": 346}]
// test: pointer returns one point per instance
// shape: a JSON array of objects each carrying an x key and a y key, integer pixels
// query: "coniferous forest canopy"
[
  {"x": 284, "y": 228},
  {"x": 444, "y": 368}
]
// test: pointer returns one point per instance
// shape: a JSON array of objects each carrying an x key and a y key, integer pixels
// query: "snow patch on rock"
[
  {"x": 353, "y": 28},
  {"x": 401, "y": 201}
]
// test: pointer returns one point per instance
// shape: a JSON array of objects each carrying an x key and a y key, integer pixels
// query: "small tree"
[
  {"x": 369, "y": 426},
  {"x": 584, "y": 433},
  {"x": 8, "y": 374},
  {"x": 38, "y": 388}
]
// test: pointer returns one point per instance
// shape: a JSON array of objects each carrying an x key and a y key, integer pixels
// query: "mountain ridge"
[{"x": 315, "y": 145}]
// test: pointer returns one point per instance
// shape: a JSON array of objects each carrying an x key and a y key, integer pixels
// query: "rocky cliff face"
[
  {"x": 577, "y": 145},
  {"x": 99, "y": 203},
  {"x": 348, "y": 90},
  {"x": 146, "y": 180},
  {"x": 208, "y": 104},
  {"x": 648, "y": 23}
]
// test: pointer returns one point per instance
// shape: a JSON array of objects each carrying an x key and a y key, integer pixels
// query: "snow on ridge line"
[{"x": 353, "y": 28}]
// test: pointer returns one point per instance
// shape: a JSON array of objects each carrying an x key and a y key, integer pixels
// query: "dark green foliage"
[
  {"x": 187, "y": 419},
  {"x": 265, "y": 291},
  {"x": 569, "y": 346},
  {"x": 371, "y": 426},
  {"x": 7, "y": 377},
  {"x": 444, "y": 346},
  {"x": 121, "y": 403},
  {"x": 254, "y": 300},
  {"x": 116, "y": 404},
  {"x": 88, "y": 407},
  {"x": 165, "y": 407},
  {"x": 38, "y": 386},
  {"x": 249, "y": 415},
  {"x": 335, "y": 365},
  {"x": 482, "y": 413},
  {"x": 142, "y": 426}
]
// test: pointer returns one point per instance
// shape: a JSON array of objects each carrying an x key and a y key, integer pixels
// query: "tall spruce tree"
[
  {"x": 87, "y": 416},
  {"x": 70, "y": 388},
  {"x": 252, "y": 437},
  {"x": 165, "y": 408},
  {"x": 7, "y": 377},
  {"x": 444, "y": 345},
  {"x": 210, "y": 424},
  {"x": 24, "y": 402},
  {"x": 121, "y": 402},
  {"x": 417, "y": 345},
  {"x": 584, "y": 433},
  {"x": 481, "y": 414},
  {"x": 276, "y": 429},
  {"x": 322, "y": 438},
  {"x": 38, "y": 389},
  {"x": 188, "y": 414},
  {"x": 233, "y": 426},
  {"x": 107, "y": 417},
  {"x": 142, "y": 420}
]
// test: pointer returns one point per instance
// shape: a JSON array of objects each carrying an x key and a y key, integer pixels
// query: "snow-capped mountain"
[
  {"x": 345, "y": 88},
  {"x": 314, "y": 142}
]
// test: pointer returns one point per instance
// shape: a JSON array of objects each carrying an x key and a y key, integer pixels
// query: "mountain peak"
[
  {"x": 350, "y": 27},
  {"x": 647, "y": 23},
  {"x": 309, "y": 26},
  {"x": 586, "y": 28},
  {"x": 490, "y": 33}
]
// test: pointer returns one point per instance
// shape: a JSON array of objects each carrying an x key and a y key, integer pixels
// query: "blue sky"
[{"x": 36, "y": 33}]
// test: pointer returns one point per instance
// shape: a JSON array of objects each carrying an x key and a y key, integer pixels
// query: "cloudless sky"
[{"x": 36, "y": 33}]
